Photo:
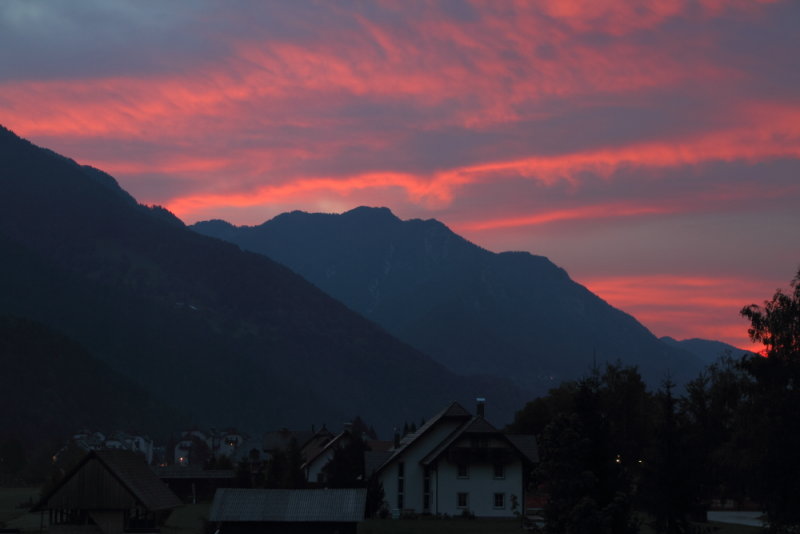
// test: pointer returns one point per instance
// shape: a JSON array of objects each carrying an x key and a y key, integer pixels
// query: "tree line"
[{"x": 614, "y": 454}]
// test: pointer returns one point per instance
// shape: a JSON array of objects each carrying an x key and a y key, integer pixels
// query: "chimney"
[{"x": 480, "y": 409}]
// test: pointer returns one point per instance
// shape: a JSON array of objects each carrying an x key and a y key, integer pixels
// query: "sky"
[{"x": 650, "y": 148}]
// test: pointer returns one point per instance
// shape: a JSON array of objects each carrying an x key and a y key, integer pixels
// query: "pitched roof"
[
  {"x": 132, "y": 472},
  {"x": 319, "y": 444},
  {"x": 524, "y": 444},
  {"x": 454, "y": 411},
  {"x": 285, "y": 505}
]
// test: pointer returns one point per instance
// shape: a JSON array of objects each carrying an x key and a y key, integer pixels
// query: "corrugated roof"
[{"x": 286, "y": 505}]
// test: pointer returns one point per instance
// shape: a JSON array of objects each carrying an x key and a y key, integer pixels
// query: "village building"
[
  {"x": 307, "y": 511},
  {"x": 193, "y": 483},
  {"x": 108, "y": 492},
  {"x": 456, "y": 463}
]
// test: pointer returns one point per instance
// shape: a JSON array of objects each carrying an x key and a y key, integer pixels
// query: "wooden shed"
[
  {"x": 288, "y": 511},
  {"x": 108, "y": 492}
]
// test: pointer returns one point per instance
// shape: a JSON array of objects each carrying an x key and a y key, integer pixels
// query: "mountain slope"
[
  {"x": 228, "y": 336},
  {"x": 35, "y": 361},
  {"x": 513, "y": 314},
  {"x": 708, "y": 351}
]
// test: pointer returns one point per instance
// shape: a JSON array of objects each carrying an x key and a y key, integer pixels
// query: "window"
[
  {"x": 499, "y": 471},
  {"x": 426, "y": 490},
  {"x": 463, "y": 470},
  {"x": 401, "y": 484},
  {"x": 462, "y": 499},
  {"x": 499, "y": 500}
]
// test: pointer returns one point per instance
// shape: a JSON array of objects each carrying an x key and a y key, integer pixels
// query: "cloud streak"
[{"x": 525, "y": 124}]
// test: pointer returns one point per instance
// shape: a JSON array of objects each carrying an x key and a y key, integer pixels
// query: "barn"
[{"x": 108, "y": 492}]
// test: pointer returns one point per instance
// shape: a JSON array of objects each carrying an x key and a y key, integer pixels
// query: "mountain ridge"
[
  {"x": 227, "y": 336},
  {"x": 472, "y": 309}
]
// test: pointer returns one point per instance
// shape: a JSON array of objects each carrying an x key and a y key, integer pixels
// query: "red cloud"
[{"x": 685, "y": 306}]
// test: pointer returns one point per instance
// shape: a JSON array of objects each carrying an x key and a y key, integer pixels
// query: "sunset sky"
[{"x": 652, "y": 149}]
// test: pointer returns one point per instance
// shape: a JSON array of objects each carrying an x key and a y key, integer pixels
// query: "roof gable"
[
  {"x": 524, "y": 445},
  {"x": 131, "y": 473},
  {"x": 453, "y": 412}
]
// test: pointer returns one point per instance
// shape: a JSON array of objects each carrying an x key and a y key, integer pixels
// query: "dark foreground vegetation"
[{"x": 609, "y": 446}]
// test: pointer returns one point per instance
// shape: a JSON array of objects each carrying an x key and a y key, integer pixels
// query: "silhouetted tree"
[
  {"x": 346, "y": 468},
  {"x": 284, "y": 468},
  {"x": 772, "y": 413},
  {"x": 667, "y": 483}
]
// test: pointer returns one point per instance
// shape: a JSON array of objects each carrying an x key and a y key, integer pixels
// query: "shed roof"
[{"x": 287, "y": 505}]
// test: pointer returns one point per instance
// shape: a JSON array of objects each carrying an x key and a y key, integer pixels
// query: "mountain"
[
  {"x": 514, "y": 314},
  {"x": 225, "y": 336},
  {"x": 35, "y": 362},
  {"x": 706, "y": 350}
]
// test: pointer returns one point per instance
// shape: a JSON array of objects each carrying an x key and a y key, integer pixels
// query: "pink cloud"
[{"x": 686, "y": 306}]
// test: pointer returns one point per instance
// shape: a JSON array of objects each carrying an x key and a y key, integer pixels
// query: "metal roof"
[{"x": 288, "y": 505}]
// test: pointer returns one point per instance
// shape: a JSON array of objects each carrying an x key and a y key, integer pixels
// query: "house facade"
[{"x": 458, "y": 463}]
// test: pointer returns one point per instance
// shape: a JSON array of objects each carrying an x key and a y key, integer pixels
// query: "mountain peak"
[{"x": 371, "y": 213}]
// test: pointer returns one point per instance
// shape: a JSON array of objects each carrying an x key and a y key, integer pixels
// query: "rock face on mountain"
[
  {"x": 229, "y": 337},
  {"x": 514, "y": 314}
]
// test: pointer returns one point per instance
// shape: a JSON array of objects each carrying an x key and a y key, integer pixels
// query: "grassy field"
[
  {"x": 14, "y": 504},
  {"x": 439, "y": 526},
  {"x": 497, "y": 526},
  {"x": 189, "y": 519}
]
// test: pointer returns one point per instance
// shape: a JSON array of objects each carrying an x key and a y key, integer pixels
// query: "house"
[
  {"x": 319, "y": 451},
  {"x": 92, "y": 441},
  {"x": 108, "y": 492},
  {"x": 456, "y": 463},
  {"x": 310, "y": 511}
]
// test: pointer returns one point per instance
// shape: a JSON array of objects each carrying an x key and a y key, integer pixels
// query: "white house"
[{"x": 458, "y": 463}]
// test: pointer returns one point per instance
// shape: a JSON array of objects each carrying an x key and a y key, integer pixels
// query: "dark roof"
[
  {"x": 525, "y": 445},
  {"x": 133, "y": 474},
  {"x": 454, "y": 411},
  {"x": 319, "y": 444},
  {"x": 192, "y": 472},
  {"x": 284, "y": 505}
]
